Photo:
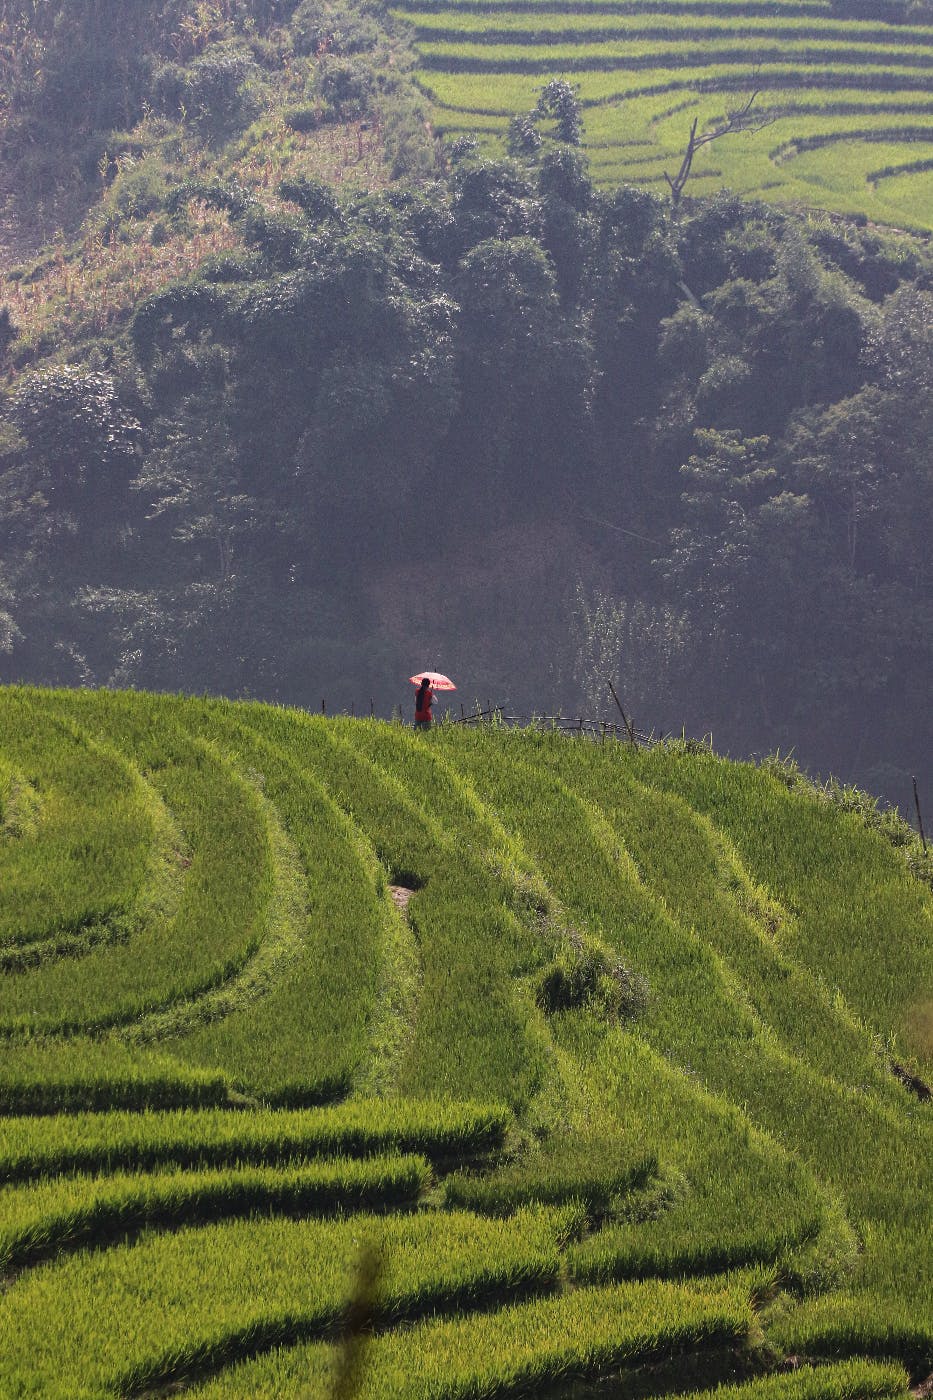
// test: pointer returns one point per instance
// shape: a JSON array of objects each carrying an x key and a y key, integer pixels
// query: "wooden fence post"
[
  {"x": 631, "y": 732},
  {"x": 919, "y": 818}
]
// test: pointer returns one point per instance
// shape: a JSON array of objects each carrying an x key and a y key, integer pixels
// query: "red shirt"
[{"x": 424, "y": 699}]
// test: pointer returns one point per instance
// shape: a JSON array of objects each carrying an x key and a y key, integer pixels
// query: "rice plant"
[
  {"x": 41, "y": 1146},
  {"x": 144, "y": 1314},
  {"x": 633, "y": 1028},
  {"x": 480, "y": 59},
  {"x": 49, "y": 1217}
]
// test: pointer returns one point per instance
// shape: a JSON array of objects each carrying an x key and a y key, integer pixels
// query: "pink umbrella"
[{"x": 434, "y": 679}]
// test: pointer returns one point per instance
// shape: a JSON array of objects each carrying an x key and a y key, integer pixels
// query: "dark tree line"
[{"x": 735, "y": 406}]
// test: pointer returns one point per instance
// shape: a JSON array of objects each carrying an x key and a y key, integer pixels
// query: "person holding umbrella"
[
  {"x": 427, "y": 682},
  {"x": 424, "y": 699}
]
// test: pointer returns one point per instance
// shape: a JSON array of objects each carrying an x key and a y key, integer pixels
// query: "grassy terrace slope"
[
  {"x": 849, "y": 101},
  {"x": 613, "y": 1094}
]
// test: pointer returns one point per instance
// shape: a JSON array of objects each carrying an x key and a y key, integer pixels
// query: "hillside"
[
  {"x": 301, "y": 375},
  {"x": 584, "y": 1061}
]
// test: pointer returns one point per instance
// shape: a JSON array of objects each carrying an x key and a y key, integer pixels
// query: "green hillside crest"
[{"x": 611, "y": 1060}]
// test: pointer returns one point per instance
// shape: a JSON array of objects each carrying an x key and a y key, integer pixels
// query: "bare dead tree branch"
[{"x": 739, "y": 119}]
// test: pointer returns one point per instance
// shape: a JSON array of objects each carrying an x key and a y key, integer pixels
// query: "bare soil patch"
[{"x": 401, "y": 895}]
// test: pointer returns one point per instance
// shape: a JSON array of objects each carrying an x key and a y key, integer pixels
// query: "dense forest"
[{"x": 489, "y": 417}]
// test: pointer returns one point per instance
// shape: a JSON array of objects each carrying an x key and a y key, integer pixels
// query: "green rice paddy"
[
  {"x": 599, "y": 1056},
  {"x": 839, "y": 99}
]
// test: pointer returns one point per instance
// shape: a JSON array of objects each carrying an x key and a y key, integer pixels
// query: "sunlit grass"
[
  {"x": 491, "y": 60},
  {"x": 655, "y": 975},
  {"x": 136, "y": 1316}
]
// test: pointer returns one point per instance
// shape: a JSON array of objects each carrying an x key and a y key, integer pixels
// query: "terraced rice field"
[
  {"x": 847, "y": 104},
  {"x": 549, "y": 1062}
]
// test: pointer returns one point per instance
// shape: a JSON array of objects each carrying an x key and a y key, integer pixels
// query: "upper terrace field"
[
  {"x": 603, "y": 1052},
  {"x": 847, "y": 102}
]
